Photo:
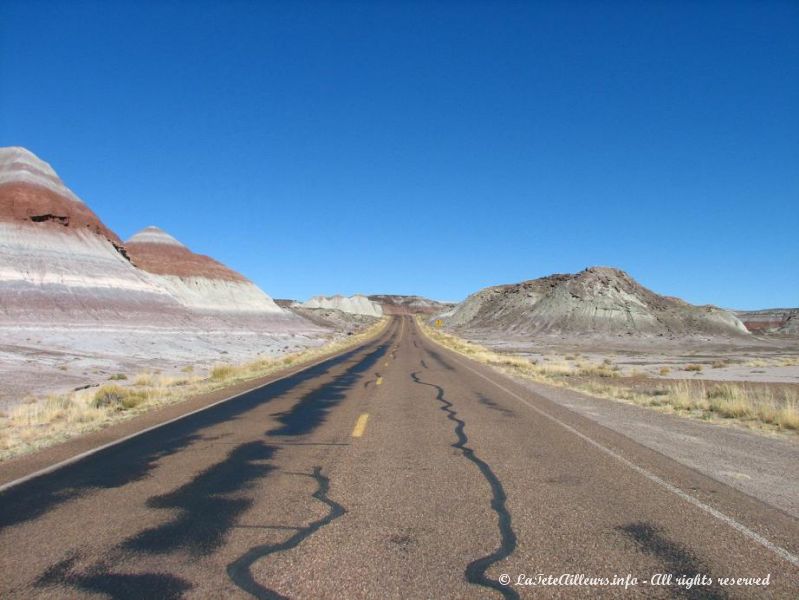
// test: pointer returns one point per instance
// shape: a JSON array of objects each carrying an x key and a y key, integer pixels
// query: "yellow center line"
[
  {"x": 360, "y": 425},
  {"x": 379, "y": 380}
]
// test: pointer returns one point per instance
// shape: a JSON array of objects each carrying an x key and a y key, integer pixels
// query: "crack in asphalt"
[
  {"x": 239, "y": 570},
  {"x": 476, "y": 570}
]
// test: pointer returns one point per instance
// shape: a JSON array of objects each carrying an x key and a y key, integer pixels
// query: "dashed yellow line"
[
  {"x": 379, "y": 380},
  {"x": 360, "y": 425}
]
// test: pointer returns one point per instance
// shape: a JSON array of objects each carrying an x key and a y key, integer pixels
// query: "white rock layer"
[
  {"x": 356, "y": 305},
  {"x": 218, "y": 295},
  {"x": 154, "y": 235},
  {"x": 46, "y": 273},
  {"x": 18, "y": 165}
]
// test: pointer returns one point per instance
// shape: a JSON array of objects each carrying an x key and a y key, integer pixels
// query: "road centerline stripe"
[{"x": 360, "y": 425}]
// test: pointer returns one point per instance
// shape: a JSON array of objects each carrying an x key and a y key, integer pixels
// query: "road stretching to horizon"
[{"x": 395, "y": 470}]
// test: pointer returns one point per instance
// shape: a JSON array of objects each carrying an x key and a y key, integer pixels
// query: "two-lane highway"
[{"x": 396, "y": 470}]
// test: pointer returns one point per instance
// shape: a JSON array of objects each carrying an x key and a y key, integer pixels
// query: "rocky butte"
[{"x": 598, "y": 300}]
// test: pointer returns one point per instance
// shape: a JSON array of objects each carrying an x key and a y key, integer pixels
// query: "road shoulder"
[{"x": 27, "y": 465}]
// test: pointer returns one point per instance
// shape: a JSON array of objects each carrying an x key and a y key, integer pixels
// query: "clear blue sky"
[{"x": 428, "y": 147}]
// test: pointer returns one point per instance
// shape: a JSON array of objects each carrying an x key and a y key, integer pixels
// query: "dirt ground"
[{"x": 762, "y": 359}]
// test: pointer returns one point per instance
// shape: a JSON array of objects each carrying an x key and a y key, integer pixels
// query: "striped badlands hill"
[
  {"x": 58, "y": 261},
  {"x": 75, "y": 307},
  {"x": 198, "y": 282}
]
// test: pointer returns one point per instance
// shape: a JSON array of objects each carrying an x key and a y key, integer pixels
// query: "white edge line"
[
  {"x": 82, "y": 455},
  {"x": 754, "y": 536}
]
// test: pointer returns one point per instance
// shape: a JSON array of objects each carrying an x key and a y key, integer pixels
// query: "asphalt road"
[{"x": 396, "y": 470}]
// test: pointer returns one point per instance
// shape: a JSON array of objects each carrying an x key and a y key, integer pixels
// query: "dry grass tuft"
[
  {"x": 144, "y": 379},
  {"x": 115, "y": 397},
  {"x": 222, "y": 372}
]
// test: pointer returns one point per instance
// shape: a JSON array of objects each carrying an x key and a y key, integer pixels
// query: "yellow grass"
[
  {"x": 776, "y": 408},
  {"x": 758, "y": 363},
  {"x": 40, "y": 422},
  {"x": 222, "y": 372}
]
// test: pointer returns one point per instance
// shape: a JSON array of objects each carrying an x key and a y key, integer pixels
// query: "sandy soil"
[{"x": 772, "y": 359}]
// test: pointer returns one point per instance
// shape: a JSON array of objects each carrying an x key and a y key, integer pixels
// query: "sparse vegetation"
[
  {"x": 115, "y": 397},
  {"x": 758, "y": 406},
  {"x": 39, "y": 422},
  {"x": 143, "y": 379},
  {"x": 222, "y": 372},
  {"x": 118, "y": 377}
]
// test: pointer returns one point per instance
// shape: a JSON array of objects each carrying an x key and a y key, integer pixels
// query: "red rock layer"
[
  {"x": 30, "y": 203},
  {"x": 167, "y": 259},
  {"x": 763, "y": 325}
]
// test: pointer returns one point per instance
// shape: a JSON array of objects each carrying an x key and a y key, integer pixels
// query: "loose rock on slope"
[{"x": 598, "y": 300}]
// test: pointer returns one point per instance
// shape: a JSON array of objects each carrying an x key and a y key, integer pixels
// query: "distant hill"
[
  {"x": 356, "y": 305},
  {"x": 394, "y": 304},
  {"x": 598, "y": 300},
  {"x": 771, "y": 320}
]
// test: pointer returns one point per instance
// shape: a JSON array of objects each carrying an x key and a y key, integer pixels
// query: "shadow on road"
[
  {"x": 205, "y": 512},
  {"x": 312, "y": 409},
  {"x": 676, "y": 560},
  {"x": 120, "y": 586}
]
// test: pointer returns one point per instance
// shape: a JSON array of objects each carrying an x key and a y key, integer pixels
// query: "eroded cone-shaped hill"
[
  {"x": 58, "y": 261},
  {"x": 196, "y": 281},
  {"x": 599, "y": 300}
]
